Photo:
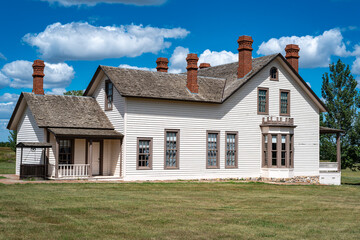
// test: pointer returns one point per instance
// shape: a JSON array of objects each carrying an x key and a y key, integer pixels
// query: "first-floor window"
[
  {"x": 279, "y": 151},
  {"x": 144, "y": 153},
  {"x": 65, "y": 151},
  {"x": 212, "y": 157},
  {"x": 231, "y": 149},
  {"x": 172, "y": 149}
]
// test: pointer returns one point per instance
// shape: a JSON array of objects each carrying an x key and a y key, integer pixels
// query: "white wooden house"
[{"x": 253, "y": 118}]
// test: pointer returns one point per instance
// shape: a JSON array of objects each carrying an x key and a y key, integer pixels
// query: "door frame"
[{"x": 101, "y": 153}]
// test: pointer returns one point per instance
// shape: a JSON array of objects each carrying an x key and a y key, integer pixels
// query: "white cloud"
[
  {"x": 20, "y": 72},
  {"x": 7, "y": 104},
  {"x": 315, "y": 51},
  {"x": 355, "y": 69},
  {"x": 2, "y": 56},
  {"x": 4, "y": 80},
  {"x": 83, "y": 41},
  {"x": 56, "y": 91},
  {"x": 137, "y": 68},
  {"x": 69, "y": 3},
  {"x": 178, "y": 58},
  {"x": 218, "y": 58}
]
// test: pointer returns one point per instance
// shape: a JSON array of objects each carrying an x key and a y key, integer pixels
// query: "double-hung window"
[
  {"x": 263, "y": 101},
  {"x": 144, "y": 153},
  {"x": 108, "y": 95},
  {"x": 231, "y": 150},
  {"x": 172, "y": 144},
  {"x": 212, "y": 149},
  {"x": 65, "y": 151},
  {"x": 284, "y": 103}
]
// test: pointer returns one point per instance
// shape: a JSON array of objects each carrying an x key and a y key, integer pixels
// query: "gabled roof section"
[
  {"x": 216, "y": 84},
  {"x": 60, "y": 111}
]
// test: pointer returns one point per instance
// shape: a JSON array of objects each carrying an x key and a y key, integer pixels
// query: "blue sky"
[{"x": 75, "y": 36}]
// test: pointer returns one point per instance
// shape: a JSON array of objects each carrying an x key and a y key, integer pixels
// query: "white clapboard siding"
[
  {"x": 28, "y": 131},
  {"x": 116, "y": 115},
  {"x": 149, "y": 118}
]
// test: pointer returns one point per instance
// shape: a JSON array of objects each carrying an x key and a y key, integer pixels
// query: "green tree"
[
  {"x": 12, "y": 140},
  {"x": 74, "y": 92},
  {"x": 342, "y": 100}
]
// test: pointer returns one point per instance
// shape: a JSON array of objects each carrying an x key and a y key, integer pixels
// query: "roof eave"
[{"x": 92, "y": 81}]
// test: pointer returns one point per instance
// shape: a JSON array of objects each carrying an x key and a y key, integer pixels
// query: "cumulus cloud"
[
  {"x": 355, "y": 69},
  {"x": 178, "y": 58},
  {"x": 137, "y": 68},
  {"x": 83, "y": 41},
  {"x": 7, "y": 104},
  {"x": 315, "y": 50},
  {"x": 218, "y": 58},
  {"x": 20, "y": 72},
  {"x": 69, "y": 3},
  {"x": 4, "y": 80}
]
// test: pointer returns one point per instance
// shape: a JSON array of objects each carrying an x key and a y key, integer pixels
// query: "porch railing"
[
  {"x": 328, "y": 166},
  {"x": 71, "y": 171}
]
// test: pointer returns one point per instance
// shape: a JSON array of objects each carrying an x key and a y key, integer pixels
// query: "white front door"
[{"x": 96, "y": 159}]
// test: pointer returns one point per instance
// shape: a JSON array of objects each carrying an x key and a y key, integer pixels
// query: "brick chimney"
[
  {"x": 204, "y": 65},
  {"x": 245, "y": 55},
  {"x": 192, "y": 68},
  {"x": 292, "y": 55},
  {"x": 38, "y": 77},
  {"x": 162, "y": 64}
]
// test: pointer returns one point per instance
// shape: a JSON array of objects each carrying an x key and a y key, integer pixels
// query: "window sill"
[
  {"x": 231, "y": 167},
  {"x": 171, "y": 168},
  {"x": 212, "y": 167},
  {"x": 143, "y": 168}
]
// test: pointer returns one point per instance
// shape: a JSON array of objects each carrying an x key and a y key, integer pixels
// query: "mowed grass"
[
  {"x": 350, "y": 177},
  {"x": 7, "y": 161},
  {"x": 182, "y": 210}
]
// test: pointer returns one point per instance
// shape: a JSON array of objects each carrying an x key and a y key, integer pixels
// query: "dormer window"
[
  {"x": 274, "y": 74},
  {"x": 108, "y": 95}
]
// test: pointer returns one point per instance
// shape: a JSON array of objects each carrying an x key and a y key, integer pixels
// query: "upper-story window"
[
  {"x": 274, "y": 74},
  {"x": 284, "y": 102},
  {"x": 108, "y": 95},
  {"x": 263, "y": 101}
]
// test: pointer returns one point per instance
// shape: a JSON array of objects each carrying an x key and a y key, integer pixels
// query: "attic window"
[
  {"x": 274, "y": 74},
  {"x": 108, "y": 95}
]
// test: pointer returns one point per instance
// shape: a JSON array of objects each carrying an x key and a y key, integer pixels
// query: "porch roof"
[
  {"x": 326, "y": 130},
  {"x": 86, "y": 133},
  {"x": 33, "y": 145}
]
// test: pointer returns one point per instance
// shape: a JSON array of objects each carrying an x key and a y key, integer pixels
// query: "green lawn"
[
  {"x": 183, "y": 210},
  {"x": 7, "y": 161},
  {"x": 350, "y": 177}
]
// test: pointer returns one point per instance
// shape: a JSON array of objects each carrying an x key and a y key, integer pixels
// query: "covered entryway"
[{"x": 85, "y": 153}]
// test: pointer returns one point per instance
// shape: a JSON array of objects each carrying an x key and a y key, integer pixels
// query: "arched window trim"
[{"x": 272, "y": 77}]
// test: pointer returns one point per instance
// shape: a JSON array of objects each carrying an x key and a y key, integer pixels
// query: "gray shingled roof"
[
  {"x": 100, "y": 133},
  {"x": 229, "y": 72},
  {"x": 67, "y": 111},
  {"x": 138, "y": 83},
  {"x": 215, "y": 83}
]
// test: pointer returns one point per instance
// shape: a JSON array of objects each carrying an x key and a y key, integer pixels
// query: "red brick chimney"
[
  {"x": 245, "y": 55},
  {"x": 192, "y": 68},
  {"x": 292, "y": 55},
  {"x": 204, "y": 65},
  {"x": 162, "y": 64},
  {"x": 38, "y": 77}
]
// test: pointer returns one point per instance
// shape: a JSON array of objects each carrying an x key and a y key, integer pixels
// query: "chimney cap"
[
  {"x": 192, "y": 56},
  {"x": 162, "y": 59},
  {"x": 292, "y": 51},
  {"x": 162, "y": 64},
  {"x": 245, "y": 38},
  {"x": 204, "y": 65}
]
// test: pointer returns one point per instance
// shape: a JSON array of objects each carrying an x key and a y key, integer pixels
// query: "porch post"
[
  {"x": 90, "y": 157},
  {"x": 338, "y": 151},
  {"x": 57, "y": 158}
]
